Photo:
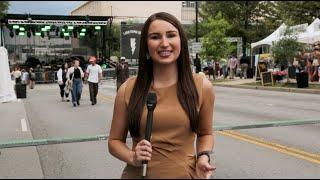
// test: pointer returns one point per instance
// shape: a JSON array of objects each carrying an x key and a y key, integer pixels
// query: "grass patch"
[{"x": 285, "y": 85}]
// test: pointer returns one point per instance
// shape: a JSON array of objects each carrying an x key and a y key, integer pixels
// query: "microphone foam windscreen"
[{"x": 152, "y": 98}]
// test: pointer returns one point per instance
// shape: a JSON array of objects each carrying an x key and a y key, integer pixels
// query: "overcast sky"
[{"x": 43, "y": 7}]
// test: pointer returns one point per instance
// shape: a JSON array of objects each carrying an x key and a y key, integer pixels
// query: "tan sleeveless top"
[{"x": 173, "y": 141}]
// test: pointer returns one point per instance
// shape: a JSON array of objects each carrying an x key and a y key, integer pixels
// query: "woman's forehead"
[{"x": 158, "y": 26}]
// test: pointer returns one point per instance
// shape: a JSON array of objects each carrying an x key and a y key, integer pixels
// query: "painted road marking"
[
  {"x": 24, "y": 125},
  {"x": 106, "y": 98},
  {"x": 311, "y": 157}
]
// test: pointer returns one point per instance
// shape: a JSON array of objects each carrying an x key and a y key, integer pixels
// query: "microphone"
[{"x": 151, "y": 104}]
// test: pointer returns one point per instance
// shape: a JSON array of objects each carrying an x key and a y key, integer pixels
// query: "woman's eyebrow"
[{"x": 157, "y": 33}]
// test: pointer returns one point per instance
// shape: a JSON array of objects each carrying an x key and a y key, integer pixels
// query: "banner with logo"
[{"x": 130, "y": 42}]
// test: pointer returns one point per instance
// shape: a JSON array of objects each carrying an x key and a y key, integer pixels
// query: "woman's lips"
[{"x": 165, "y": 53}]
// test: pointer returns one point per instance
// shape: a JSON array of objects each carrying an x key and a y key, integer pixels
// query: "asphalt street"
[{"x": 275, "y": 152}]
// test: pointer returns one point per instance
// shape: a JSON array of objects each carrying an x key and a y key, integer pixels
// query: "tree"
[
  {"x": 115, "y": 40},
  {"x": 4, "y": 5},
  {"x": 214, "y": 42},
  {"x": 251, "y": 20},
  {"x": 286, "y": 48},
  {"x": 298, "y": 12}
]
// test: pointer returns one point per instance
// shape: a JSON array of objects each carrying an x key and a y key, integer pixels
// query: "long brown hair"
[{"x": 186, "y": 88}]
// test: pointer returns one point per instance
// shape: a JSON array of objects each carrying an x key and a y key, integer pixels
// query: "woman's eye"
[
  {"x": 154, "y": 37},
  {"x": 171, "y": 35}
]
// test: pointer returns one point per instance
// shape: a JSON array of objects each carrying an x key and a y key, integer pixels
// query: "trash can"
[
  {"x": 302, "y": 80},
  {"x": 21, "y": 90}
]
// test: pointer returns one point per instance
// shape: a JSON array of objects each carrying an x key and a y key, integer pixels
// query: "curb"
[{"x": 294, "y": 90}]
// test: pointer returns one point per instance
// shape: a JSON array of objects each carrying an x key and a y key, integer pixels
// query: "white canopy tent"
[
  {"x": 275, "y": 36},
  {"x": 312, "y": 33},
  {"x": 7, "y": 93},
  {"x": 309, "y": 36}
]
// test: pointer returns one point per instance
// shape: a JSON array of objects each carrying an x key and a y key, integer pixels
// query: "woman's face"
[
  {"x": 76, "y": 63},
  {"x": 66, "y": 65},
  {"x": 163, "y": 42}
]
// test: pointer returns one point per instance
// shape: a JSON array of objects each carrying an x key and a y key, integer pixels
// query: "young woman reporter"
[{"x": 183, "y": 114}]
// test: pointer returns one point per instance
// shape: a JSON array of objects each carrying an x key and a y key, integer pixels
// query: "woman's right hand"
[{"x": 142, "y": 152}]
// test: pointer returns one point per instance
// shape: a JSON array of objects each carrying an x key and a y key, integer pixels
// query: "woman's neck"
[{"x": 165, "y": 75}]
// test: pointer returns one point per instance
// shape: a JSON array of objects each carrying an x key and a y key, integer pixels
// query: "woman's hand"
[
  {"x": 142, "y": 152},
  {"x": 204, "y": 170}
]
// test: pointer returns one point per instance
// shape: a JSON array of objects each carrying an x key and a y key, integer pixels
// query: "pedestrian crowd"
[{"x": 227, "y": 68}]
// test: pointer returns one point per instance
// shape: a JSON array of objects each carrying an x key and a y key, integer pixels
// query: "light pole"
[{"x": 197, "y": 61}]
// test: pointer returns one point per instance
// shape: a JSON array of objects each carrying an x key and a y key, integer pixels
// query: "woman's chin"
[{"x": 165, "y": 61}]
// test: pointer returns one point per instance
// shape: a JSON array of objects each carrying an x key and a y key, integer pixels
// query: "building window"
[
  {"x": 192, "y": 4},
  {"x": 184, "y": 4}
]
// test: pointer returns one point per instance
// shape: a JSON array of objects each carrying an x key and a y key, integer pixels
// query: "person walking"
[
  {"x": 183, "y": 112},
  {"x": 74, "y": 76},
  {"x": 244, "y": 63},
  {"x": 122, "y": 72},
  {"x": 211, "y": 68},
  {"x": 24, "y": 77},
  {"x": 32, "y": 78},
  {"x": 94, "y": 74},
  {"x": 62, "y": 79},
  {"x": 232, "y": 65},
  {"x": 17, "y": 75}
]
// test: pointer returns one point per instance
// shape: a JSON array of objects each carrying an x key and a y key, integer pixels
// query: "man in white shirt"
[{"x": 94, "y": 74}]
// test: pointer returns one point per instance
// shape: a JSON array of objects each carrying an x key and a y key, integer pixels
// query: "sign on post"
[{"x": 196, "y": 47}]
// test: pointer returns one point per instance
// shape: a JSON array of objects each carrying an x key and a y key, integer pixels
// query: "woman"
[
  {"x": 32, "y": 78},
  {"x": 184, "y": 108},
  {"x": 17, "y": 75},
  {"x": 74, "y": 76},
  {"x": 62, "y": 79}
]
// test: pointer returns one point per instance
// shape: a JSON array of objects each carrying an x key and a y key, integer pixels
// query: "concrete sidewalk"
[
  {"x": 238, "y": 83},
  {"x": 17, "y": 162}
]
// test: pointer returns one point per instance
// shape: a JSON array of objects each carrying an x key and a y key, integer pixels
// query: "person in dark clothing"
[
  {"x": 244, "y": 63},
  {"x": 122, "y": 72}
]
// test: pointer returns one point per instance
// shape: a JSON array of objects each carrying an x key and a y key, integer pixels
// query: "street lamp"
[{"x": 197, "y": 61}]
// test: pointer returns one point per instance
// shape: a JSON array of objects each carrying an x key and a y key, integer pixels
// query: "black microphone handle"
[{"x": 148, "y": 129}]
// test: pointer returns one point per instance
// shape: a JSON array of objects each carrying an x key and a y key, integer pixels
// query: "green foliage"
[
  {"x": 298, "y": 12},
  {"x": 251, "y": 20},
  {"x": 115, "y": 37},
  {"x": 214, "y": 43},
  {"x": 4, "y": 5},
  {"x": 285, "y": 49}
]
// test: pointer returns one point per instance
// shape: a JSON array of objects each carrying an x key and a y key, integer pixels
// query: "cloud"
[{"x": 43, "y": 7}]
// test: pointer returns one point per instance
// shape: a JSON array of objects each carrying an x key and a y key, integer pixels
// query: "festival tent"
[
  {"x": 275, "y": 36},
  {"x": 312, "y": 33},
  {"x": 7, "y": 93}
]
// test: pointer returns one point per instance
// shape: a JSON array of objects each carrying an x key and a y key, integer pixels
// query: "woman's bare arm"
[
  {"x": 119, "y": 129},
  {"x": 205, "y": 137}
]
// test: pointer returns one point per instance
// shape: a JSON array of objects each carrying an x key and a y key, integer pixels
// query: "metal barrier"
[
  {"x": 46, "y": 77},
  {"x": 40, "y": 142},
  {"x": 51, "y": 76},
  {"x": 110, "y": 73}
]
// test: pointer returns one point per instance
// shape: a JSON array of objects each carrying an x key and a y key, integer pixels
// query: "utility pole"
[{"x": 197, "y": 61}]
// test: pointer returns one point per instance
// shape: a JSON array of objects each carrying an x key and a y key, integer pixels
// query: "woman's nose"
[{"x": 164, "y": 41}]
